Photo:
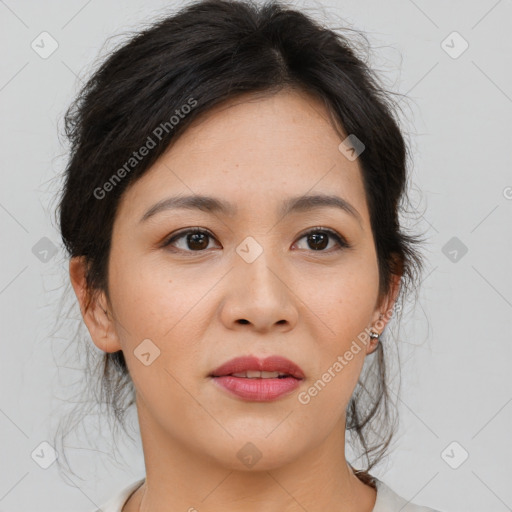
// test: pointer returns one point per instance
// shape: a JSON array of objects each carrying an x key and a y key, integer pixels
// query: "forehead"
[{"x": 254, "y": 150}]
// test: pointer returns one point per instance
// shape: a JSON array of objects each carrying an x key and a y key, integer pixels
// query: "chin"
[{"x": 254, "y": 454}]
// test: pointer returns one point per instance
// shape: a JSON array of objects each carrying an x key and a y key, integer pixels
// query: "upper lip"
[{"x": 269, "y": 364}]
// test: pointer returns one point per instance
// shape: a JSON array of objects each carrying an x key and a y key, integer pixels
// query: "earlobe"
[{"x": 93, "y": 308}]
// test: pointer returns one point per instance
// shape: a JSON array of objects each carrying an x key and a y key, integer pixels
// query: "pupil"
[
  {"x": 316, "y": 239},
  {"x": 193, "y": 239}
]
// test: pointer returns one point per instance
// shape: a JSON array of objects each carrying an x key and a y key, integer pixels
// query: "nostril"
[{"x": 243, "y": 321}]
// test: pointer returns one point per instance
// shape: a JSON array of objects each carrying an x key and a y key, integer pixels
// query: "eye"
[
  {"x": 197, "y": 240},
  {"x": 318, "y": 239}
]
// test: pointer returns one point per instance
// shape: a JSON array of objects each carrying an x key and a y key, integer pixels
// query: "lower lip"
[{"x": 258, "y": 390}]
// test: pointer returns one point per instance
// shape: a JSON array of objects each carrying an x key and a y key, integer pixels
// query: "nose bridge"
[
  {"x": 258, "y": 292},
  {"x": 258, "y": 269}
]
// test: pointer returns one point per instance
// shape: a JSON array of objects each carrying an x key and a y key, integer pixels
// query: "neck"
[{"x": 181, "y": 477}]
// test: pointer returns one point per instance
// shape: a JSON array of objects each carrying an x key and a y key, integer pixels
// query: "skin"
[{"x": 306, "y": 305}]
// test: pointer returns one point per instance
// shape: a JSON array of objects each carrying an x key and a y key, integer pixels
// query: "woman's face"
[{"x": 251, "y": 283}]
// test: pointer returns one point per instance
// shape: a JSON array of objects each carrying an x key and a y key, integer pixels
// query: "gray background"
[{"x": 456, "y": 344}]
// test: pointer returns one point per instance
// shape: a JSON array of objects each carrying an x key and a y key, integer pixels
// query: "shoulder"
[
  {"x": 115, "y": 504},
  {"x": 389, "y": 501}
]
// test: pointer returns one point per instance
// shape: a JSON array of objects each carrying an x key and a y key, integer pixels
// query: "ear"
[
  {"x": 96, "y": 313},
  {"x": 384, "y": 310}
]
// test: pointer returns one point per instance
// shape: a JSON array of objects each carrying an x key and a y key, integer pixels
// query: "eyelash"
[{"x": 342, "y": 242}]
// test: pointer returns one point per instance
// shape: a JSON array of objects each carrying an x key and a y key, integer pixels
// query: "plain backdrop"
[{"x": 453, "y": 60}]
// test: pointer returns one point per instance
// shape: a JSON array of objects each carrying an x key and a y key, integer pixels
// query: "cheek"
[
  {"x": 339, "y": 348},
  {"x": 344, "y": 298},
  {"x": 344, "y": 301},
  {"x": 165, "y": 305},
  {"x": 151, "y": 298},
  {"x": 153, "y": 304}
]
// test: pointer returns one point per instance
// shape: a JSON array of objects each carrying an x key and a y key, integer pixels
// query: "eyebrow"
[{"x": 214, "y": 205}]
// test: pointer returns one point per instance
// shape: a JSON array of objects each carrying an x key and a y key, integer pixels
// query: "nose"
[{"x": 259, "y": 295}]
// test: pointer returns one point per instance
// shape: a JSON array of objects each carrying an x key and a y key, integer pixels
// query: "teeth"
[{"x": 254, "y": 374}]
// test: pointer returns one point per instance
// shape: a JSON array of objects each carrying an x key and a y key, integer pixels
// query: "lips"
[{"x": 240, "y": 365}]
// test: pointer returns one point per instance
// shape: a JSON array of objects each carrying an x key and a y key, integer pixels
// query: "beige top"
[{"x": 387, "y": 500}]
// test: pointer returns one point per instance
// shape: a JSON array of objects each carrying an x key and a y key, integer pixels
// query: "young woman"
[{"x": 231, "y": 212}]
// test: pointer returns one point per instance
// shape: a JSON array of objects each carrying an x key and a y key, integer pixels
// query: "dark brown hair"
[{"x": 206, "y": 53}]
